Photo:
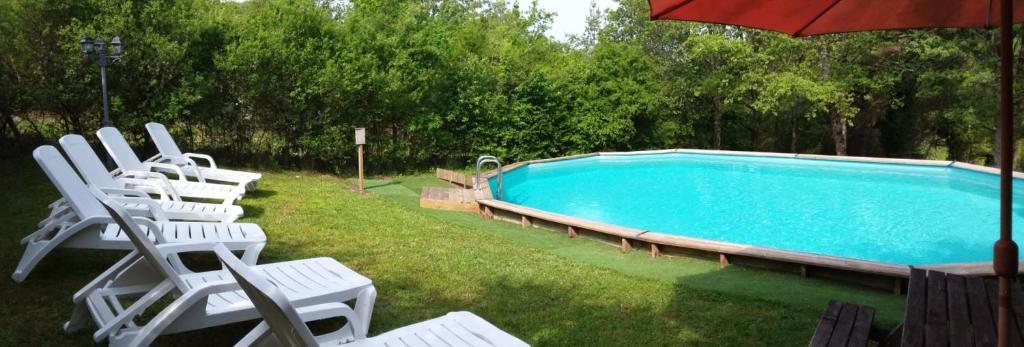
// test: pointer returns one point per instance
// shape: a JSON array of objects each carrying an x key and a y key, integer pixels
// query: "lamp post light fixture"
[{"x": 97, "y": 49}]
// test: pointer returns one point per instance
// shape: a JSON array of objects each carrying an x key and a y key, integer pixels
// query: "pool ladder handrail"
[{"x": 487, "y": 159}]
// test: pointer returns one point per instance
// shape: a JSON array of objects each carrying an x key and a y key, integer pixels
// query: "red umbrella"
[{"x": 808, "y": 17}]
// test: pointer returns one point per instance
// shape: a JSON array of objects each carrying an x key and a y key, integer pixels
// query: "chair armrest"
[
  {"x": 155, "y": 158},
  {"x": 262, "y": 336},
  {"x": 153, "y": 228},
  {"x": 168, "y": 167},
  {"x": 335, "y": 310},
  {"x": 208, "y": 158},
  {"x": 185, "y": 247},
  {"x": 154, "y": 208},
  {"x": 154, "y": 180},
  {"x": 125, "y": 192},
  {"x": 188, "y": 163}
]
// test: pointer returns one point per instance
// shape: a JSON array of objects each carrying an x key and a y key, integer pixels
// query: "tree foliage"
[{"x": 283, "y": 82}]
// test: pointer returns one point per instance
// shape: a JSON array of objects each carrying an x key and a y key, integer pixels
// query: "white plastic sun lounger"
[
  {"x": 94, "y": 173},
  {"x": 88, "y": 225},
  {"x": 199, "y": 299},
  {"x": 129, "y": 164},
  {"x": 284, "y": 325},
  {"x": 171, "y": 154}
]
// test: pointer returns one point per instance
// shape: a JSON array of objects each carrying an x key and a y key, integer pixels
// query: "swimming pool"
[{"x": 909, "y": 214}]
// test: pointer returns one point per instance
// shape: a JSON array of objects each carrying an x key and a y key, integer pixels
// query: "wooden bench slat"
[
  {"x": 935, "y": 314},
  {"x": 914, "y": 317},
  {"x": 959, "y": 314},
  {"x": 993, "y": 296},
  {"x": 862, "y": 326},
  {"x": 981, "y": 314},
  {"x": 1018, "y": 307},
  {"x": 826, "y": 325},
  {"x": 844, "y": 326}
]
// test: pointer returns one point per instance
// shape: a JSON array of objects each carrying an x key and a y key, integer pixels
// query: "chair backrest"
[
  {"x": 119, "y": 149},
  {"x": 277, "y": 311},
  {"x": 163, "y": 140},
  {"x": 88, "y": 163},
  {"x": 67, "y": 182},
  {"x": 142, "y": 243}
]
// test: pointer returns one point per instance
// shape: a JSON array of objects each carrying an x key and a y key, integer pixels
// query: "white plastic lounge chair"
[
  {"x": 199, "y": 299},
  {"x": 88, "y": 225},
  {"x": 284, "y": 325},
  {"x": 171, "y": 154},
  {"x": 94, "y": 173},
  {"x": 129, "y": 164}
]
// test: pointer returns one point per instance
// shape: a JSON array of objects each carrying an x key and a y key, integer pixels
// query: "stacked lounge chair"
[
  {"x": 139, "y": 209},
  {"x": 85, "y": 224},
  {"x": 93, "y": 171},
  {"x": 170, "y": 153},
  {"x": 129, "y": 164}
]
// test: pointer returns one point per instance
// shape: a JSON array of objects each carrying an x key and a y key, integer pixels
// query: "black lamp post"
[{"x": 97, "y": 49}]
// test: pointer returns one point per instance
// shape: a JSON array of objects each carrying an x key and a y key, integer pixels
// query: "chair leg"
[
  {"x": 364, "y": 307},
  {"x": 252, "y": 254},
  {"x": 34, "y": 253},
  {"x": 79, "y": 318}
]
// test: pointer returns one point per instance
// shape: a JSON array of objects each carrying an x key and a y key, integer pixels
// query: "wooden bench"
[
  {"x": 945, "y": 309},
  {"x": 843, "y": 324}
]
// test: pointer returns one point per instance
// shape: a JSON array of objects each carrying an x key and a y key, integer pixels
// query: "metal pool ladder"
[{"x": 487, "y": 159}]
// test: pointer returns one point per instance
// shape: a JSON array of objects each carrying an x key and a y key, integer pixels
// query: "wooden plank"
[
  {"x": 626, "y": 246},
  {"x": 452, "y": 199},
  {"x": 894, "y": 337},
  {"x": 935, "y": 314},
  {"x": 967, "y": 269},
  {"x": 826, "y": 325},
  {"x": 959, "y": 313},
  {"x": 981, "y": 314},
  {"x": 572, "y": 232},
  {"x": 455, "y": 177},
  {"x": 914, "y": 316},
  {"x": 723, "y": 261},
  {"x": 525, "y": 222},
  {"x": 844, "y": 325},
  {"x": 862, "y": 327},
  {"x": 1018, "y": 307},
  {"x": 992, "y": 287},
  {"x": 655, "y": 251}
]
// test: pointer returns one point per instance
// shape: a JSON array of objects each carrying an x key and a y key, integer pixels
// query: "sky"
[{"x": 570, "y": 15}]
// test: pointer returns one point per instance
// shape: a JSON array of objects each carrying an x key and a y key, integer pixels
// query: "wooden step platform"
[{"x": 450, "y": 199}]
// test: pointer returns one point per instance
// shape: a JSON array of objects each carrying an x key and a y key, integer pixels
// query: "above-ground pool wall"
[
  {"x": 887, "y": 282},
  {"x": 889, "y": 277}
]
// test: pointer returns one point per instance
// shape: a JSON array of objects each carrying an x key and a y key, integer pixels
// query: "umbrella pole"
[{"x": 1005, "y": 250}]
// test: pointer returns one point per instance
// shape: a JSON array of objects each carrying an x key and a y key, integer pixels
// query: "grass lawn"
[{"x": 538, "y": 285}]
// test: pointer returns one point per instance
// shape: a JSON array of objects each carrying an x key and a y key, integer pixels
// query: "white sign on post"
[{"x": 360, "y": 136}]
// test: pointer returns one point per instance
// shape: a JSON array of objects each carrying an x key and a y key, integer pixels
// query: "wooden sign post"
[{"x": 360, "y": 141}]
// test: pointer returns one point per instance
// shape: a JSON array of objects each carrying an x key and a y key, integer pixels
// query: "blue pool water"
[{"x": 904, "y": 214}]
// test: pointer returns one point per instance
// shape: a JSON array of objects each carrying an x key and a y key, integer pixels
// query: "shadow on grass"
[
  {"x": 382, "y": 184},
  {"x": 252, "y": 211},
  {"x": 260, "y": 193},
  {"x": 544, "y": 314},
  {"x": 558, "y": 315}
]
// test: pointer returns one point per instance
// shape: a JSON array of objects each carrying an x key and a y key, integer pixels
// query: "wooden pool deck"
[{"x": 885, "y": 276}]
